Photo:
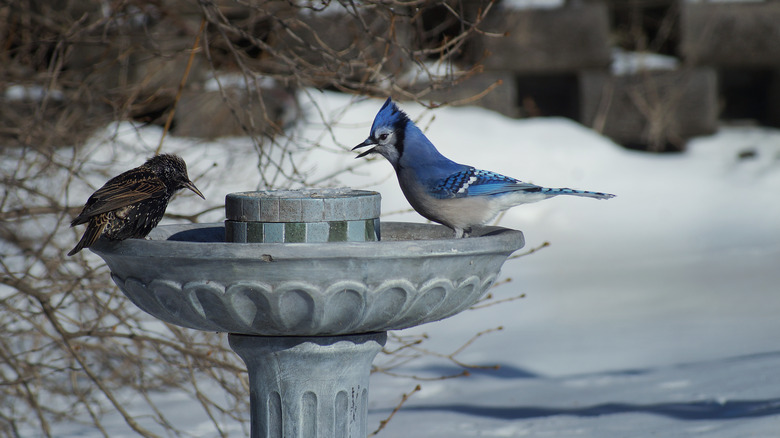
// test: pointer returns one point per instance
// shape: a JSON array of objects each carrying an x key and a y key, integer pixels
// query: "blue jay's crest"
[
  {"x": 388, "y": 133},
  {"x": 390, "y": 115}
]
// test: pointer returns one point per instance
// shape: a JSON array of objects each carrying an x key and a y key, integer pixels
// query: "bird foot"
[{"x": 462, "y": 232}]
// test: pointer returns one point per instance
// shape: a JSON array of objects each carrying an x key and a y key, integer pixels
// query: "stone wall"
[
  {"x": 580, "y": 60},
  {"x": 725, "y": 64}
]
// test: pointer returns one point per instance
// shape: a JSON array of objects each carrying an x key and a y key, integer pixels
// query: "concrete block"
[
  {"x": 269, "y": 211},
  {"x": 502, "y": 98},
  {"x": 317, "y": 232},
  {"x": 273, "y": 232},
  {"x": 311, "y": 215},
  {"x": 254, "y": 231},
  {"x": 290, "y": 209},
  {"x": 356, "y": 231},
  {"x": 311, "y": 210},
  {"x": 731, "y": 34},
  {"x": 328, "y": 39},
  {"x": 546, "y": 40},
  {"x": 212, "y": 114},
  {"x": 656, "y": 110}
]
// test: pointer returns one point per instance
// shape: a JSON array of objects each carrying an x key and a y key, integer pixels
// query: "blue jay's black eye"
[{"x": 382, "y": 137}]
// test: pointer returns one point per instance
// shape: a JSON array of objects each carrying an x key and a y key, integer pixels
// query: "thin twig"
[
  {"x": 530, "y": 251},
  {"x": 404, "y": 399},
  {"x": 182, "y": 83}
]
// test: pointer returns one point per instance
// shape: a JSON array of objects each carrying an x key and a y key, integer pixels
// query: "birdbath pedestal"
[{"x": 308, "y": 318}]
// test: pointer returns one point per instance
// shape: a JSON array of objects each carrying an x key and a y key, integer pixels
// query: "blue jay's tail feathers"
[{"x": 583, "y": 193}]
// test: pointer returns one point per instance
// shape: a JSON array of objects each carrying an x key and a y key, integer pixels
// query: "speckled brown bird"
[{"x": 131, "y": 204}]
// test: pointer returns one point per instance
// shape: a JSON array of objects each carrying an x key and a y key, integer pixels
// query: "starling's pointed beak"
[
  {"x": 192, "y": 187},
  {"x": 368, "y": 142}
]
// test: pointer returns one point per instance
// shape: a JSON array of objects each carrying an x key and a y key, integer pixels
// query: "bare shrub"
[{"x": 75, "y": 349}]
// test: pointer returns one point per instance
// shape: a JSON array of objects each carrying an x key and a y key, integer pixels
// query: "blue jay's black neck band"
[
  {"x": 399, "y": 127},
  {"x": 400, "y": 134}
]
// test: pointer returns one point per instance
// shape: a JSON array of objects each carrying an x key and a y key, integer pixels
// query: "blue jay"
[{"x": 452, "y": 194}]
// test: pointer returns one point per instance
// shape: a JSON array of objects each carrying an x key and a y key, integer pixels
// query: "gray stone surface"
[
  {"x": 187, "y": 275},
  {"x": 304, "y": 383},
  {"x": 502, "y": 95},
  {"x": 309, "y": 205},
  {"x": 311, "y": 216},
  {"x": 324, "y": 389}
]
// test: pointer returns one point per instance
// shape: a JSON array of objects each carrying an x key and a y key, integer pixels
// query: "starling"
[{"x": 131, "y": 204}]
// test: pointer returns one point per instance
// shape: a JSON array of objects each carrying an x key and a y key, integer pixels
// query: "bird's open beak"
[
  {"x": 192, "y": 187},
  {"x": 368, "y": 142}
]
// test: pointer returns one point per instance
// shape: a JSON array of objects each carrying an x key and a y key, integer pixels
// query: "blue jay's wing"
[{"x": 475, "y": 182}]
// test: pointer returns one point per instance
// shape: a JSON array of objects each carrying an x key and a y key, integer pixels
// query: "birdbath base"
[{"x": 308, "y": 386}]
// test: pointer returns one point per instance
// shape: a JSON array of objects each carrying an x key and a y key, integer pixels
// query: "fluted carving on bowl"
[{"x": 301, "y": 308}]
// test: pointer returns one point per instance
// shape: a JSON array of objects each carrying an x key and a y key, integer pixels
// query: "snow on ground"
[{"x": 652, "y": 314}]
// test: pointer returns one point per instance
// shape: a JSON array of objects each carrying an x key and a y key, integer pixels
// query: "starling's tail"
[{"x": 94, "y": 230}]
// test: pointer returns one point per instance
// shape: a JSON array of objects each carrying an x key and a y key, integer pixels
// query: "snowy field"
[{"x": 654, "y": 314}]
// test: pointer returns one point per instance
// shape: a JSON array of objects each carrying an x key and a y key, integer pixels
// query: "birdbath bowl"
[{"x": 307, "y": 318}]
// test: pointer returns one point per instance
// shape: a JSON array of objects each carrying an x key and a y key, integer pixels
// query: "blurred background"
[
  {"x": 649, "y": 74},
  {"x": 91, "y": 88}
]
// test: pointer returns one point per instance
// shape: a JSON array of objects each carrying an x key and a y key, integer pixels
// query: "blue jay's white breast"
[
  {"x": 462, "y": 213},
  {"x": 466, "y": 212},
  {"x": 477, "y": 210}
]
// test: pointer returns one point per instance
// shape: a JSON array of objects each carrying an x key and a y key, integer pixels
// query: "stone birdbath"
[{"x": 307, "y": 286}]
